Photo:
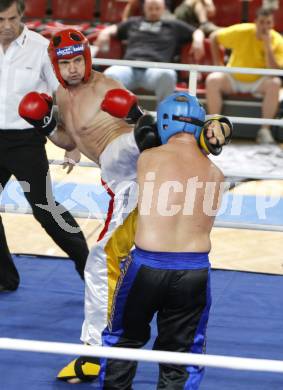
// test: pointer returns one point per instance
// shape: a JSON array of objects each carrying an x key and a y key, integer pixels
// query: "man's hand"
[
  {"x": 266, "y": 37},
  {"x": 146, "y": 133},
  {"x": 37, "y": 109},
  {"x": 71, "y": 159},
  {"x": 121, "y": 103},
  {"x": 103, "y": 39},
  {"x": 216, "y": 132},
  {"x": 197, "y": 51},
  {"x": 197, "y": 48}
]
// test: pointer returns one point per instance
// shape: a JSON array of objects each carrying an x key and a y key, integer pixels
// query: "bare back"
[
  {"x": 179, "y": 197},
  {"x": 80, "y": 115}
]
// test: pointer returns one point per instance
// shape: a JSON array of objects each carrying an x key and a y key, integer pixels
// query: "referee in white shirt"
[{"x": 25, "y": 67}]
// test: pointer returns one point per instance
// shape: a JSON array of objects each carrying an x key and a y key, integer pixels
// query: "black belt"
[
  {"x": 31, "y": 130},
  {"x": 16, "y": 137}
]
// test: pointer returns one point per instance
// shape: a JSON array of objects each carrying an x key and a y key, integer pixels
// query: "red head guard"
[{"x": 66, "y": 44}]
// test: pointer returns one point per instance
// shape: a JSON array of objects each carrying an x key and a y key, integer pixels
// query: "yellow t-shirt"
[{"x": 246, "y": 50}]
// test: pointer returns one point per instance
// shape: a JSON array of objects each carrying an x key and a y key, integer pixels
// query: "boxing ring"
[{"x": 222, "y": 360}]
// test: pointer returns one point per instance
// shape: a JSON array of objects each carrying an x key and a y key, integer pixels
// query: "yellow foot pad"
[{"x": 84, "y": 368}]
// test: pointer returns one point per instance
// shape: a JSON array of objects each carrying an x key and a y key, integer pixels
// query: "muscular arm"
[
  {"x": 131, "y": 7},
  {"x": 210, "y": 8},
  {"x": 215, "y": 49},
  {"x": 62, "y": 139},
  {"x": 269, "y": 54},
  {"x": 105, "y": 84},
  {"x": 201, "y": 13},
  {"x": 105, "y": 35},
  {"x": 198, "y": 44}
]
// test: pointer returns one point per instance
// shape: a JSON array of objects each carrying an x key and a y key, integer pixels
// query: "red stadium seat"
[
  {"x": 111, "y": 10},
  {"x": 278, "y": 14},
  {"x": 73, "y": 9},
  {"x": 34, "y": 13},
  {"x": 114, "y": 51},
  {"x": 187, "y": 58},
  {"x": 51, "y": 28},
  {"x": 35, "y": 8},
  {"x": 228, "y": 12},
  {"x": 34, "y": 24}
]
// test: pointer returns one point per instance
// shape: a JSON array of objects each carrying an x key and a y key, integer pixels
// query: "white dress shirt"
[{"x": 24, "y": 67}]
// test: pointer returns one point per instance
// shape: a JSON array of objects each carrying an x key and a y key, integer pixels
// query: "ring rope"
[
  {"x": 86, "y": 164},
  {"x": 254, "y": 121},
  {"x": 227, "y": 173},
  {"x": 228, "y": 362},
  {"x": 188, "y": 67},
  {"x": 252, "y": 176},
  {"x": 219, "y": 224},
  {"x": 248, "y": 226}
]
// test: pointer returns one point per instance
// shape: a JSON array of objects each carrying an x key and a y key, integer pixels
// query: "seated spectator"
[
  {"x": 135, "y": 7},
  {"x": 197, "y": 13},
  {"x": 151, "y": 38},
  {"x": 252, "y": 45}
]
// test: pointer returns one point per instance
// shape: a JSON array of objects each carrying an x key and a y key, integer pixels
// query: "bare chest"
[{"x": 79, "y": 113}]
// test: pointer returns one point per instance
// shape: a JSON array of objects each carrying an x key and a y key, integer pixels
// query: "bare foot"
[{"x": 74, "y": 381}]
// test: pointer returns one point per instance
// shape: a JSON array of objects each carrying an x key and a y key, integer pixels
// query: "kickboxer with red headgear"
[
  {"x": 101, "y": 119},
  {"x": 96, "y": 117},
  {"x": 68, "y": 44}
]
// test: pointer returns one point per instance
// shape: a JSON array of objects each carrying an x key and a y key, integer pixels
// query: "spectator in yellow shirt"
[{"x": 252, "y": 45}]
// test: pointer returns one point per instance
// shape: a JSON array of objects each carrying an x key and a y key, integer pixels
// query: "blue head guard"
[{"x": 180, "y": 112}]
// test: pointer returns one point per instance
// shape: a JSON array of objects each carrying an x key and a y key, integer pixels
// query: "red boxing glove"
[
  {"x": 37, "y": 109},
  {"x": 122, "y": 103}
]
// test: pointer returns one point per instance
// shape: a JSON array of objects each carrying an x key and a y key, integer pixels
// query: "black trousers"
[
  {"x": 180, "y": 295},
  {"x": 22, "y": 154}
]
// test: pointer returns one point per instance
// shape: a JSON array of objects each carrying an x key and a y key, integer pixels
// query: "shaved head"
[
  {"x": 159, "y": 2},
  {"x": 153, "y": 9}
]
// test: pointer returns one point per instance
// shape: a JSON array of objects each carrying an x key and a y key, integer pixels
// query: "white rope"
[
  {"x": 246, "y": 120},
  {"x": 86, "y": 164},
  {"x": 193, "y": 69},
  {"x": 228, "y": 362},
  {"x": 188, "y": 67},
  {"x": 253, "y": 176},
  {"x": 255, "y": 121},
  {"x": 248, "y": 226},
  {"x": 84, "y": 215},
  {"x": 14, "y": 209},
  {"x": 227, "y": 173}
]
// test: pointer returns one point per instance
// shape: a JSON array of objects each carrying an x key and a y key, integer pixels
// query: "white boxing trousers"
[{"x": 118, "y": 164}]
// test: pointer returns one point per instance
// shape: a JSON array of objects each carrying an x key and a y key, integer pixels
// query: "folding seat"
[
  {"x": 113, "y": 51},
  {"x": 228, "y": 12},
  {"x": 188, "y": 58},
  {"x": 35, "y": 13},
  {"x": 111, "y": 10},
  {"x": 69, "y": 13},
  {"x": 50, "y": 28},
  {"x": 75, "y": 10},
  {"x": 35, "y": 9}
]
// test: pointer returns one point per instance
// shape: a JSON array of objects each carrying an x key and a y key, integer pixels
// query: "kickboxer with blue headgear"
[
  {"x": 182, "y": 112},
  {"x": 168, "y": 272}
]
